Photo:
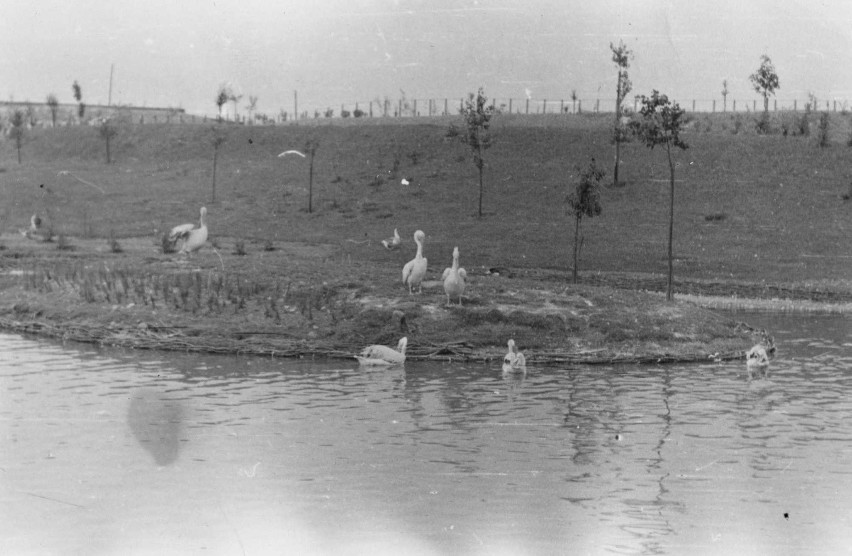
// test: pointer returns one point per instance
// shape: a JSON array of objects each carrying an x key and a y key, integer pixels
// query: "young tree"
[
  {"x": 621, "y": 56},
  {"x": 53, "y": 105},
  {"x": 18, "y": 120},
  {"x": 311, "y": 146},
  {"x": 724, "y": 95},
  {"x": 107, "y": 130},
  {"x": 661, "y": 123},
  {"x": 222, "y": 96},
  {"x": 217, "y": 140},
  {"x": 585, "y": 200},
  {"x": 477, "y": 118},
  {"x": 252, "y": 106},
  {"x": 78, "y": 96},
  {"x": 765, "y": 80},
  {"x": 235, "y": 98}
]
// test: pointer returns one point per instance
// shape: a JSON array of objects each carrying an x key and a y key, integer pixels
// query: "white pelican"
[
  {"x": 454, "y": 279},
  {"x": 756, "y": 358},
  {"x": 378, "y": 356},
  {"x": 404, "y": 181},
  {"x": 35, "y": 231},
  {"x": 285, "y": 153},
  {"x": 392, "y": 242},
  {"x": 193, "y": 236},
  {"x": 514, "y": 361},
  {"x": 415, "y": 269}
]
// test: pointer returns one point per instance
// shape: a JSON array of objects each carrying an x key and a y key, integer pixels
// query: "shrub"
[
  {"x": 802, "y": 125},
  {"x": 822, "y": 130},
  {"x": 114, "y": 245},
  {"x": 240, "y": 248},
  {"x": 762, "y": 124}
]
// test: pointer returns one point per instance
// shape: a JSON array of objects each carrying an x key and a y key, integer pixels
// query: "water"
[{"x": 120, "y": 452}]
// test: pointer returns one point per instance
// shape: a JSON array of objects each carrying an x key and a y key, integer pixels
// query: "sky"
[{"x": 331, "y": 52}]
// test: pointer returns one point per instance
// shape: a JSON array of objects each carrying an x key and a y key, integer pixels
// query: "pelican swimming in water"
[
  {"x": 35, "y": 231},
  {"x": 193, "y": 236},
  {"x": 383, "y": 356},
  {"x": 392, "y": 242},
  {"x": 514, "y": 361},
  {"x": 454, "y": 279},
  {"x": 757, "y": 358},
  {"x": 415, "y": 269}
]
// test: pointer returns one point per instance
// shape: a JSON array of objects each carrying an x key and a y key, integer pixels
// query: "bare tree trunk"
[
  {"x": 576, "y": 246},
  {"x": 480, "y": 190},
  {"x": 671, "y": 220},
  {"x": 311, "y": 184},
  {"x": 215, "y": 159}
]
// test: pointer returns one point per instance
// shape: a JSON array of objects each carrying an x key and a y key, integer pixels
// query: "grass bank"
[{"x": 760, "y": 217}]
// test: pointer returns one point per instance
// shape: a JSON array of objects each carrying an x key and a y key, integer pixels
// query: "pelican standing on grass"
[
  {"x": 379, "y": 356},
  {"x": 392, "y": 242},
  {"x": 454, "y": 279},
  {"x": 415, "y": 269},
  {"x": 193, "y": 236},
  {"x": 514, "y": 361}
]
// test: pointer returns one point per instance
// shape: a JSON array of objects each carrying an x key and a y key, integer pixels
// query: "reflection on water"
[
  {"x": 157, "y": 423},
  {"x": 110, "y": 451}
]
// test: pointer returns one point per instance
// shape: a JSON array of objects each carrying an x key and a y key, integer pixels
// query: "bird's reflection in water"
[{"x": 157, "y": 424}]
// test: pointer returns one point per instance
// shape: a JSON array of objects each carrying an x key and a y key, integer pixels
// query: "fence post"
[
  {"x": 775, "y": 105},
  {"x": 561, "y": 106},
  {"x": 795, "y": 108},
  {"x": 510, "y": 105},
  {"x": 714, "y": 105},
  {"x": 528, "y": 106},
  {"x": 544, "y": 107},
  {"x": 597, "y": 105},
  {"x": 579, "y": 106},
  {"x": 446, "y": 107},
  {"x": 399, "y": 109},
  {"x": 734, "y": 109},
  {"x": 415, "y": 107},
  {"x": 693, "y": 105}
]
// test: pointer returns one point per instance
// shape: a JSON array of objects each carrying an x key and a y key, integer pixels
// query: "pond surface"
[{"x": 122, "y": 452}]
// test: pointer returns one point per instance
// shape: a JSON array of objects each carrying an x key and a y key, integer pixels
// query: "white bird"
[
  {"x": 757, "y": 358},
  {"x": 285, "y": 153},
  {"x": 392, "y": 242},
  {"x": 193, "y": 236},
  {"x": 378, "y": 356},
  {"x": 454, "y": 279},
  {"x": 415, "y": 269},
  {"x": 404, "y": 181},
  {"x": 35, "y": 231},
  {"x": 514, "y": 361}
]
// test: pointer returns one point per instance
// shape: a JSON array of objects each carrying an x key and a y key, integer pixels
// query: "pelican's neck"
[
  {"x": 455, "y": 262},
  {"x": 419, "y": 247},
  {"x": 201, "y": 221}
]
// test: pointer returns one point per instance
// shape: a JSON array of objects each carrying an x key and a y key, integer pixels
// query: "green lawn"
[{"x": 764, "y": 209}]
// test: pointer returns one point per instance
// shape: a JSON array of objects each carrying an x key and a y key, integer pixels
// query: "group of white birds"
[{"x": 413, "y": 273}]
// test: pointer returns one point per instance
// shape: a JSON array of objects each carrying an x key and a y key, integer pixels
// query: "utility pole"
[{"x": 109, "y": 98}]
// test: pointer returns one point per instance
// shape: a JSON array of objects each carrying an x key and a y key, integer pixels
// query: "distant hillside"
[{"x": 66, "y": 114}]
